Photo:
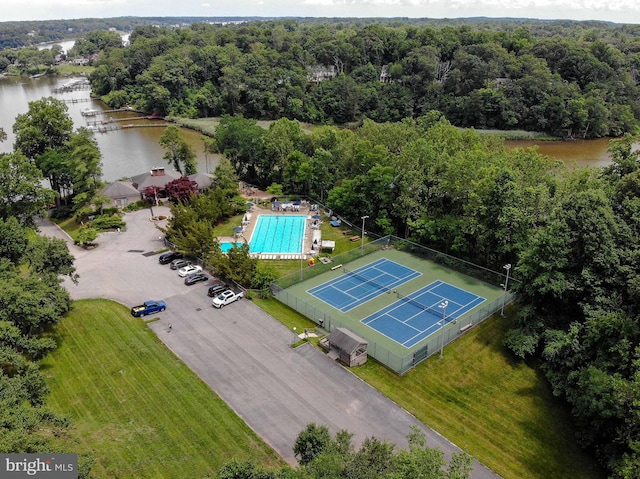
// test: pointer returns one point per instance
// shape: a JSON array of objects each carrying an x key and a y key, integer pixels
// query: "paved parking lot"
[{"x": 242, "y": 353}]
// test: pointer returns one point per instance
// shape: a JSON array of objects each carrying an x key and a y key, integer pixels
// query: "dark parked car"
[
  {"x": 195, "y": 278},
  {"x": 217, "y": 289},
  {"x": 167, "y": 258},
  {"x": 180, "y": 263}
]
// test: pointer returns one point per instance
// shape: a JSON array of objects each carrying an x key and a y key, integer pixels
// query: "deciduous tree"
[
  {"x": 177, "y": 151},
  {"x": 21, "y": 192}
]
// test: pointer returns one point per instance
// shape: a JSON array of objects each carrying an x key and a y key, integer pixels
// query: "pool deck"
[{"x": 250, "y": 225}]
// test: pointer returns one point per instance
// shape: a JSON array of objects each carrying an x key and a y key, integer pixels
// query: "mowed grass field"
[
  {"x": 491, "y": 404},
  {"x": 135, "y": 406},
  {"x": 496, "y": 407}
]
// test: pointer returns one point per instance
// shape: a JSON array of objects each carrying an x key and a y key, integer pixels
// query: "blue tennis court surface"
[
  {"x": 418, "y": 315},
  {"x": 363, "y": 284}
]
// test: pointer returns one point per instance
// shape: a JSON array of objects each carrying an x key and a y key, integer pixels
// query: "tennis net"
[
  {"x": 364, "y": 279},
  {"x": 439, "y": 312}
]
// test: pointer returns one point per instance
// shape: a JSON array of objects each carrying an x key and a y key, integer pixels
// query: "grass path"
[{"x": 136, "y": 407}]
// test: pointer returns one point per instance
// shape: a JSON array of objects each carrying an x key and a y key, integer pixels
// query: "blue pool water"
[
  {"x": 278, "y": 234},
  {"x": 226, "y": 246}
]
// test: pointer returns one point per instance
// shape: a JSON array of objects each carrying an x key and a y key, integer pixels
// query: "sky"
[{"x": 619, "y": 11}]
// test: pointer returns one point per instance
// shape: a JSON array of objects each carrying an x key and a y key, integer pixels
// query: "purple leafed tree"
[{"x": 181, "y": 188}]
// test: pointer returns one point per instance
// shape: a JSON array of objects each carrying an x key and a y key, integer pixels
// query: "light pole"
[
  {"x": 301, "y": 258},
  {"x": 363, "y": 218},
  {"x": 506, "y": 285},
  {"x": 443, "y": 305}
]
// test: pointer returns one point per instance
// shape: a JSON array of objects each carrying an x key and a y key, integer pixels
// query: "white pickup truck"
[{"x": 226, "y": 297}]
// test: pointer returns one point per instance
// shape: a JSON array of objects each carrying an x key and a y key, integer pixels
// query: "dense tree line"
[
  {"x": 580, "y": 82},
  {"x": 31, "y": 301},
  {"x": 70, "y": 160},
  {"x": 573, "y": 238},
  {"x": 31, "y": 33},
  {"x": 322, "y": 456},
  {"x": 19, "y": 34}
]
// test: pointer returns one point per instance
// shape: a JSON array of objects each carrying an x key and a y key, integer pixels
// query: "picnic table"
[{"x": 354, "y": 238}]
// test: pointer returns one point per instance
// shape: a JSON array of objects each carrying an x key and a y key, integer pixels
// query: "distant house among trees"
[
  {"x": 385, "y": 77},
  {"x": 319, "y": 73}
]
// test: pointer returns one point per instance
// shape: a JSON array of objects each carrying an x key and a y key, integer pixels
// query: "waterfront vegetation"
[
  {"x": 549, "y": 77},
  {"x": 408, "y": 161}
]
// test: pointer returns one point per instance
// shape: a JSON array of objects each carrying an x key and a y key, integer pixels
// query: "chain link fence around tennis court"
[{"x": 445, "y": 335}]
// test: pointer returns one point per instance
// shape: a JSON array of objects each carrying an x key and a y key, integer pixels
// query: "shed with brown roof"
[{"x": 346, "y": 346}]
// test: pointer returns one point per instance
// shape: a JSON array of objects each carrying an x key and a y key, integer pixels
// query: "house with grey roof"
[
  {"x": 158, "y": 176},
  {"x": 121, "y": 193},
  {"x": 203, "y": 180}
]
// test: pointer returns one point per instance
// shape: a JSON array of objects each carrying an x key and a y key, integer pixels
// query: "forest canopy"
[
  {"x": 567, "y": 80},
  {"x": 405, "y": 89}
]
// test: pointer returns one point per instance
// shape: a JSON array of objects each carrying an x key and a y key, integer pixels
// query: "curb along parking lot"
[{"x": 243, "y": 354}]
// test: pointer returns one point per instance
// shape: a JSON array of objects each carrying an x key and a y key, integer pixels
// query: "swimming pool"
[
  {"x": 225, "y": 246},
  {"x": 278, "y": 234}
]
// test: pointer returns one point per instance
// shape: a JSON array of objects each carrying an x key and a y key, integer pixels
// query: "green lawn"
[
  {"x": 69, "y": 225},
  {"x": 482, "y": 399},
  {"x": 143, "y": 413},
  {"x": 69, "y": 69},
  {"x": 135, "y": 406}
]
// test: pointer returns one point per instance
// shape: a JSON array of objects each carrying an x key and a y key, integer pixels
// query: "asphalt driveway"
[{"x": 242, "y": 353}]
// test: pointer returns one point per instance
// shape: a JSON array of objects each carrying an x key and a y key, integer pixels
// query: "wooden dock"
[
  {"x": 113, "y": 126},
  {"x": 103, "y": 124},
  {"x": 73, "y": 86},
  {"x": 75, "y": 100},
  {"x": 104, "y": 112},
  {"x": 117, "y": 120}
]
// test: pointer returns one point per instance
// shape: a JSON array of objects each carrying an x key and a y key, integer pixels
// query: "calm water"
[
  {"x": 574, "y": 152},
  {"x": 125, "y": 152},
  {"x": 129, "y": 152}
]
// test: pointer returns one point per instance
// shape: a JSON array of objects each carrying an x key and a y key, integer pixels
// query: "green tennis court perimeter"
[{"x": 383, "y": 348}]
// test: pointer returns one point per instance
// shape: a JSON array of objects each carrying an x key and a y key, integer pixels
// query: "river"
[
  {"x": 125, "y": 152},
  {"x": 131, "y": 151},
  {"x": 572, "y": 153}
]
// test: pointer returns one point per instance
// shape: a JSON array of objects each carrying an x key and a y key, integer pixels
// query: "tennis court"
[
  {"x": 389, "y": 294},
  {"x": 363, "y": 284},
  {"x": 416, "y": 316}
]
